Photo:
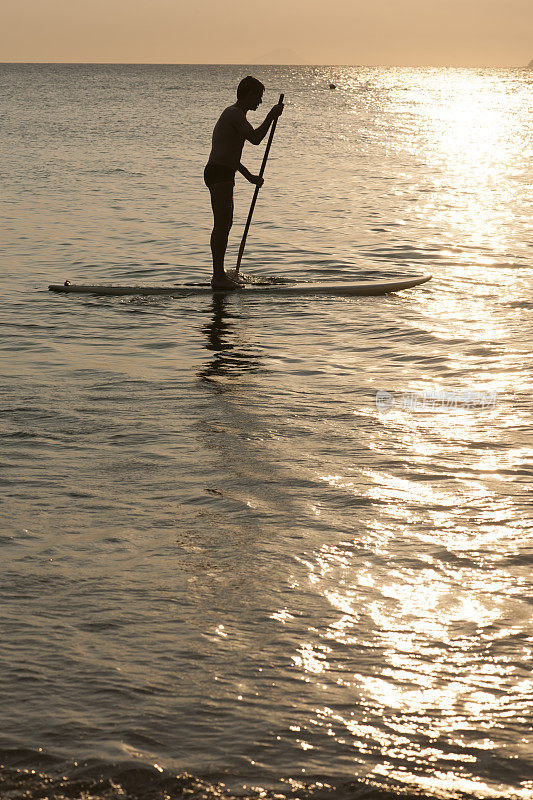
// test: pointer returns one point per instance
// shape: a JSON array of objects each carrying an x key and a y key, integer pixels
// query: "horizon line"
[{"x": 254, "y": 64}]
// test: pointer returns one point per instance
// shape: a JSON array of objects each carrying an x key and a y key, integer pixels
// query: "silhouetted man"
[{"x": 229, "y": 135}]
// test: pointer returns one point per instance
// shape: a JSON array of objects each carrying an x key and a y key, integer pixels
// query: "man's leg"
[{"x": 222, "y": 205}]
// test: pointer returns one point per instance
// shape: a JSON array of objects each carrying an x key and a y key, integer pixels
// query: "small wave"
[
  {"x": 519, "y": 304},
  {"x": 269, "y": 280},
  {"x": 113, "y": 171},
  {"x": 20, "y": 779}
]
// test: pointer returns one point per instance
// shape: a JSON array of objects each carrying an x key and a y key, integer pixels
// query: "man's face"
[{"x": 255, "y": 99}]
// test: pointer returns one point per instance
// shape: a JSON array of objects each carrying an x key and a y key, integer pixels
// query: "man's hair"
[{"x": 249, "y": 84}]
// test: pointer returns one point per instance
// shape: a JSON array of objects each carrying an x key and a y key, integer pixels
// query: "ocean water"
[{"x": 267, "y": 547}]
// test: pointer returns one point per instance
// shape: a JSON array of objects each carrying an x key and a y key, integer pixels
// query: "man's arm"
[
  {"x": 248, "y": 175},
  {"x": 246, "y": 172},
  {"x": 259, "y": 133}
]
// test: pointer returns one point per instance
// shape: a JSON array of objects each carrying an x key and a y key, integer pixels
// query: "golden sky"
[{"x": 404, "y": 32}]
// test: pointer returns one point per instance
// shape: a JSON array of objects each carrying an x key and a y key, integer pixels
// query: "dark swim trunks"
[{"x": 218, "y": 173}]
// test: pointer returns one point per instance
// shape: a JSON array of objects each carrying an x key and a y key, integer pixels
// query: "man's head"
[{"x": 250, "y": 92}]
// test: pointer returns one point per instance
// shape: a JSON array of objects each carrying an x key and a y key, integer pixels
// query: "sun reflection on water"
[
  {"x": 420, "y": 609},
  {"x": 419, "y": 606},
  {"x": 467, "y": 129}
]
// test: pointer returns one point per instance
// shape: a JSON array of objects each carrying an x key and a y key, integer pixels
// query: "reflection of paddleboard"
[{"x": 294, "y": 289}]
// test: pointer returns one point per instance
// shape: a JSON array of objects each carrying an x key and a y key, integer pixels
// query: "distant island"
[{"x": 281, "y": 55}]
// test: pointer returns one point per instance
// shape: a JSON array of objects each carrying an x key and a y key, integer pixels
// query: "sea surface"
[{"x": 267, "y": 547}]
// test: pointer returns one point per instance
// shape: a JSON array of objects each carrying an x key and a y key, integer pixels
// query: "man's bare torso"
[{"x": 229, "y": 135}]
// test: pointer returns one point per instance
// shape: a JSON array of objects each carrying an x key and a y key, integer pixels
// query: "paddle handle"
[{"x": 256, "y": 193}]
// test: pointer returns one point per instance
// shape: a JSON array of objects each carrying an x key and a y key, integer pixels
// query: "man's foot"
[{"x": 223, "y": 282}]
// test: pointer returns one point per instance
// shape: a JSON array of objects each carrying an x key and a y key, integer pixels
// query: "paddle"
[{"x": 254, "y": 199}]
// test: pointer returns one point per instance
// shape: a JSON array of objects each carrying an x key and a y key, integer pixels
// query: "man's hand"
[
  {"x": 256, "y": 179},
  {"x": 276, "y": 111}
]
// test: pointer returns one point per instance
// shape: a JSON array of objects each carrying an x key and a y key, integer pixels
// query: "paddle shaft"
[{"x": 254, "y": 199}]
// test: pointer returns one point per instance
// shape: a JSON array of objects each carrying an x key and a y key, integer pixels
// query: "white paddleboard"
[{"x": 346, "y": 289}]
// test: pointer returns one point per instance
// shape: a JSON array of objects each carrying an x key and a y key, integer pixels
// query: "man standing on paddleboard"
[{"x": 229, "y": 135}]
